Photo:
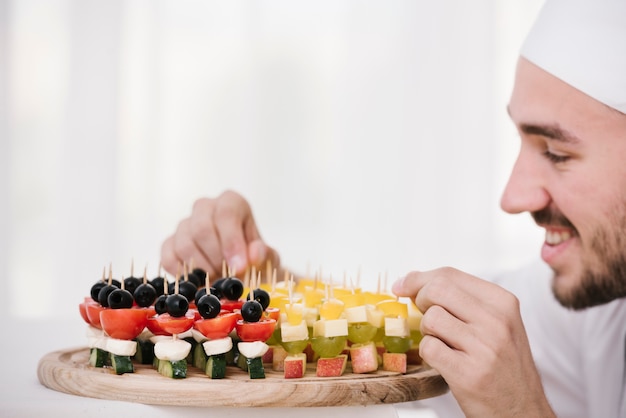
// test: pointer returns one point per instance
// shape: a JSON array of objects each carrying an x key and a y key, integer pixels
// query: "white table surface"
[{"x": 21, "y": 395}]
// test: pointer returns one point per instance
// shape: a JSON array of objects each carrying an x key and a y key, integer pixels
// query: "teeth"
[{"x": 555, "y": 237}]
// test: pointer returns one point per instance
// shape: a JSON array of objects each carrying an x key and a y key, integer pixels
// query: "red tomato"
[
  {"x": 196, "y": 314},
  {"x": 273, "y": 313},
  {"x": 231, "y": 305},
  {"x": 174, "y": 325},
  {"x": 218, "y": 327},
  {"x": 255, "y": 331},
  {"x": 123, "y": 324},
  {"x": 83, "y": 312},
  {"x": 238, "y": 312},
  {"x": 154, "y": 326},
  {"x": 93, "y": 314}
]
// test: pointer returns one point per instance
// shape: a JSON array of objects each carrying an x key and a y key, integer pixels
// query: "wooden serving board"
[{"x": 69, "y": 371}]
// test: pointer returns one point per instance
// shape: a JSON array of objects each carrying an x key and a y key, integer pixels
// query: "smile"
[{"x": 554, "y": 237}]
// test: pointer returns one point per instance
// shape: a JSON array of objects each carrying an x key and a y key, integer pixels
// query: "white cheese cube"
[
  {"x": 219, "y": 346},
  {"x": 396, "y": 327},
  {"x": 172, "y": 350},
  {"x": 121, "y": 347},
  {"x": 253, "y": 349}
]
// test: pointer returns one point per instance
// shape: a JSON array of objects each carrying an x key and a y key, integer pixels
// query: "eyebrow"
[{"x": 549, "y": 131}]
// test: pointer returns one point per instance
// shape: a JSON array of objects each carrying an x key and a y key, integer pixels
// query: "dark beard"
[{"x": 605, "y": 282}]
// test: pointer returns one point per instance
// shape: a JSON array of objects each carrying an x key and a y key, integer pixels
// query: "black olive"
[
  {"x": 120, "y": 299},
  {"x": 160, "y": 305},
  {"x": 251, "y": 311},
  {"x": 209, "y": 306},
  {"x": 103, "y": 294},
  {"x": 216, "y": 287},
  {"x": 95, "y": 289},
  {"x": 177, "y": 305},
  {"x": 199, "y": 294},
  {"x": 262, "y": 297},
  {"x": 157, "y": 283},
  {"x": 187, "y": 289},
  {"x": 145, "y": 294},
  {"x": 232, "y": 288},
  {"x": 131, "y": 283},
  {"x": 191, "y": 278},
  {"x": 200, "y": 274}
]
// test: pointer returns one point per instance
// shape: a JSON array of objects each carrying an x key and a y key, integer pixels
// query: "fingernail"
[
  {"x": 398, "y": 285},
  {"x": 236, "y": 263}
]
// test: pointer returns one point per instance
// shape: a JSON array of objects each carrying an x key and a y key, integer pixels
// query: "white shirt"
[{"x": 580, "y": 355}]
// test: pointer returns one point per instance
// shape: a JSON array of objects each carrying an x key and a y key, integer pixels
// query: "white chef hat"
[{"x": 583, "y": 43}]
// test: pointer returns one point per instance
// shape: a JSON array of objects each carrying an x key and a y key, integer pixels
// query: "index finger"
[
  {"x": 236, "y": 229},
  {"x": 461, "y": 294}
]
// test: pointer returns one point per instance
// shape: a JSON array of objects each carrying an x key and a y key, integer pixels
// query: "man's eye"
[{"x": 555, "y": 158}]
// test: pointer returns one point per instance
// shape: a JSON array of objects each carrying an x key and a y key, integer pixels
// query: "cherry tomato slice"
[
  {"x": 123, "y": 324},
  {"x": 255, "y": 331},
  {"x": 195, "y": 312},
  {"x": 231, "y": 305},
  {"x": 93, "y": 314},
  {"x": 82, "y": 308},
  {"x": 218, "y": 327},
  {"x": 176, "y": 325},
  {"x": 273, "y": 313},
  {"x": 154, "y": 326}
]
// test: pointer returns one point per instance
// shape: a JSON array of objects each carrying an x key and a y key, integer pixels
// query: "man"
[{"x": 507, "y": 347}]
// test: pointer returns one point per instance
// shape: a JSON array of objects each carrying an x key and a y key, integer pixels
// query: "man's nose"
[{"x": 525, "y": 191}]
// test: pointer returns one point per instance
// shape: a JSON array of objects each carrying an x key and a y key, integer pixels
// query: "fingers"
[
  {"x": 235, "y": 228},
  {"x": 460, "y": 294},
  {"x": 221, "y": 229}
]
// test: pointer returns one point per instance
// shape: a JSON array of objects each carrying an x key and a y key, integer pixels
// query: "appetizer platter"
[{"x": 195, "y": 342}]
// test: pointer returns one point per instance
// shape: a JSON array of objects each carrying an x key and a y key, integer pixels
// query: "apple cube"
[
  {"x": 394, "y": 362},
  {"x": 278, "y": 358},
  {"x": 295, "y": 366},
  {"x": 268, "y": 357},
  {"x": 310, "y": 354},
  {"x": 331, "y": 366},
  {"x": 413, "y": 356},
  {"x": 364, "y": 357}
]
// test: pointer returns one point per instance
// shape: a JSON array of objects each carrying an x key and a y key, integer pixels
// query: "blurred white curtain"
[{"x": 369, "y": 136}]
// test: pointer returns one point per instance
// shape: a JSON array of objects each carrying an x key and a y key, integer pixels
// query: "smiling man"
[
  {"x": 543, "y": 341},
  {"x": 571, "y": 176}
]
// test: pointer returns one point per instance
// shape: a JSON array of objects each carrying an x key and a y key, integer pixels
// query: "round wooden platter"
[{"x": 68, "y": 371}]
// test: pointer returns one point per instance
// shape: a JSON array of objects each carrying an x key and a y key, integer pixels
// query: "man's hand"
[
  {"x": 221, "y": 229},
  {"x": 474, "y": 336}
]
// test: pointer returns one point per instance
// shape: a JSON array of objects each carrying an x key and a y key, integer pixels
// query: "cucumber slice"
[
  {"x": 242, "y": 362},
  {"x": 194, "y": 343},
  {"x": 173, "y": 369},
  {"x": 255, "y": 368},
  {"x": 122, "y": 364},
  {"x": 216, "y": 366},
  {"x": 98, "y": 357},
  {"x": 230, "y": 356},
  {"x": 145, "y": 352},
  {"x": 199, "y": 357}
]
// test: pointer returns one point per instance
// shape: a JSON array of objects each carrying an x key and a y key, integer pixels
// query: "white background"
[{"x": 370, "y": 137}]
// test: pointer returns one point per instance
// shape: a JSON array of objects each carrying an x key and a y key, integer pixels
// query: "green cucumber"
[
  {"x": 242, "y": 362},
  {"x": 173, "y": 369},
  {"x": 255, "y": 368},
  {"x": 230, "y": 356},
  {"x": 121, "y": 364},
  {"x": 98, "y": 357},
  {"x": 216, "y": 366},
  {"x": 199, "y": 357},
  {"x": 194, "y": 343},
  {"x": 145, "y": 352}
]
